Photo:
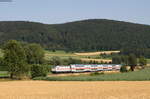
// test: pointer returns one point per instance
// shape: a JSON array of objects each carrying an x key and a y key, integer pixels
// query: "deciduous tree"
[
  {"x": 34, "y": 53},
  {"x": 15, "y": 59}
]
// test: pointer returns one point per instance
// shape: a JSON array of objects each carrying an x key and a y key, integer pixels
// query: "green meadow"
[{"x": 142, "y": 75}]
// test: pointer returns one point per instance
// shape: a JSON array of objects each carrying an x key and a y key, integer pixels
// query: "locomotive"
[{"x": 76, "y": 68}]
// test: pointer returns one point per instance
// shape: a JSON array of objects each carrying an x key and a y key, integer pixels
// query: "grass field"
[
  {"x": 74, "y": 90},
  {"x": 88, "y": 56},
  {"x": 148, "y": 61},
  {"x": 4, "y": 74},
  {"x": 61, "y": 54},
  {"x": 91, "y": 56},
  {"x": 97, "y": 60},
  {"x": 1, "y": 53},
  {"x": 141, "y": 75},
  {"x": 96, "y": 53}
]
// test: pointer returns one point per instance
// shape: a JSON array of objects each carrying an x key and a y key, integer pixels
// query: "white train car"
[
  {"x": 94, "y": 67},
  {"x": 86, "y": 68},
  {"x": 117, "y": 67},
  {"x": 80, "y": 68},
  {"x": 105, "y": 67},
  {"x": 100, "y": 67},
  {"x": 109, "y": 68},
  {"x": 61, "y": 69}
]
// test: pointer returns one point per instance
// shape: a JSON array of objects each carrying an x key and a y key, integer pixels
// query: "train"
[{"x": 79, "y": 68}]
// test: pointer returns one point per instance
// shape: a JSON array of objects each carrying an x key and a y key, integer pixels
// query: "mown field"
[
  {"x": 61, "y": 54},
  {"x": 142, "y": 75},
  {"x": 1, "y": 53},
  {"x": 75, "y": 90},
  {"x": 90, "y": 56}
]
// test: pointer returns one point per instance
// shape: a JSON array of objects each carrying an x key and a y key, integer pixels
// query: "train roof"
[
  {"x": 95, "y": 64},
  {"x": 87, "y": 64}
]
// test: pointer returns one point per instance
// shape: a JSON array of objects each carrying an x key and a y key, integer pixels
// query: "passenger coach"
[{"x": 74, "y": 68}]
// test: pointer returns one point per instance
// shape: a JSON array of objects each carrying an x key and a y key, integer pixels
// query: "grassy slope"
[
  {"x": 1, "y": 53},
  {"x": 64, "y": 55},
  {"x": 61, "y": 54},
  {"x": 148, "y": 61},
  {"x": 4, "y": 74},
  {"x": 130, "y": 76}
]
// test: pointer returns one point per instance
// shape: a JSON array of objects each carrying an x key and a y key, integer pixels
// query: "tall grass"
[
  {"x": 142, "y": 75},
  {"x": 61, "y": 54},
  {"x": 1, "y": 53},
  {"x": 4, "y": 74}
]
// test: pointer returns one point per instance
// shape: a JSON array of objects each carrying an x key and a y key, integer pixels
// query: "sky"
[{"x": 62, "y": 11}]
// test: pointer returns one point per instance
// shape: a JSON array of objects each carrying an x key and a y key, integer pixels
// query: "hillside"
[{"x": 86, "y": 35}]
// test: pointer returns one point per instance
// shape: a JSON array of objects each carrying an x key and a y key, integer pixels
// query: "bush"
[
  {"x": 123, "y": 69},
  {"x": 55, "y": 61},
  {"x": 39, "y": 70},
  {"x": 142, "y": 61}
]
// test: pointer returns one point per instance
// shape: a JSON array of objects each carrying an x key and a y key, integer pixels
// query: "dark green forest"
[{"x": 86, "y": 35}]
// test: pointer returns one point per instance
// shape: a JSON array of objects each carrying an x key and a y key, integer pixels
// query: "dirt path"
[
  {"x": 96, "y": 53},
  {"x": 74, "y": 90},
  {"x": 97, "y": 60}
]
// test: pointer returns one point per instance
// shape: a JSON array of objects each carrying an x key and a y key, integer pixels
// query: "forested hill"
[{"x": 86, "y": 35}]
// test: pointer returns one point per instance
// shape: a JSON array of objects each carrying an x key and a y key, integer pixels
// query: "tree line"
[
  {"x": 138, "y": 52},
  {"x": 86, "y": 35},
  {"x": 129, "y": 60}
]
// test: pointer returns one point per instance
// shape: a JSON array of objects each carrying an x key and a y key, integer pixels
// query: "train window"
[
  {"x": 79, "y": 65},
  {"x": 79, "y": 69}
]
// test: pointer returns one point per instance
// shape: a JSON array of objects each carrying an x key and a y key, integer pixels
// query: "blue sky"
[{"x": 61, "y": 11}]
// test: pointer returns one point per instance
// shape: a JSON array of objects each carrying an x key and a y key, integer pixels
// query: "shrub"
[
  {"x": 123, "y": 69},
  {"x": 142, "y": 61},
  {"x": 55, "y": 61},
  {"x": 39, "y": 70}
]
